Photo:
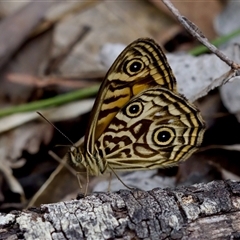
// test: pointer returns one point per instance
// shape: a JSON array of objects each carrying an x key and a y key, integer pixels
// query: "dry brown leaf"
[
  {"x": 64, "y": 112},
  {"x": 27, "y": 137},
  {"x": 29, "y": 60},
  {"x": 17, "y": 27},
  {"x": 60, "y": 183},
  {"x": 109, "y": 21},
  {"x": 197, "y": 12}
]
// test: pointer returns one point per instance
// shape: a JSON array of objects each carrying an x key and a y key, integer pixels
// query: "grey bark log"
[{"x": 202, "y": 211}]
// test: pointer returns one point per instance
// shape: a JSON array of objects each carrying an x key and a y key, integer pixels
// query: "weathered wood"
[{"x": 202, "y": 211}]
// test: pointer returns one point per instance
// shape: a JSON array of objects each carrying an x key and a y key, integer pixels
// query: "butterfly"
[{"x": 139, "y": 120}]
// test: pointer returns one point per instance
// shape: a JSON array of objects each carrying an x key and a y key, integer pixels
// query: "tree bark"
[{"x": 201, "y": 211}]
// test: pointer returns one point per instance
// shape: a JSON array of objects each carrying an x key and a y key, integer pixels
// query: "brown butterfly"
[{"x": 139, "y": 120}]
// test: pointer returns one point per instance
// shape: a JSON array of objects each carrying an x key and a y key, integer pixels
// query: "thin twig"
[
  {"x": 49, "y": 81},
  {"x": 61, "y": 161},
  {"x": 216, "y": 42},
  {"x": 56, "y": 61},
  {"x": 226, "y": 77},
  {"x": 196, "y": 32}
]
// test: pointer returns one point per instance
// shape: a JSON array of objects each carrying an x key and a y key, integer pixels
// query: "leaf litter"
[{"x": 26, "y": 139}]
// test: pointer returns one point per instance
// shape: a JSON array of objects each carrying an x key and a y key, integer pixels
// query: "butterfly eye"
[
  {"x": 134, "y": 109},
  {"x": 133, "y": 66},
  {"x": 163, "y": 136}
]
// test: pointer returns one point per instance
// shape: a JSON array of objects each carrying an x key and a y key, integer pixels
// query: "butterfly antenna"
[{"x": 55, "y": 128}]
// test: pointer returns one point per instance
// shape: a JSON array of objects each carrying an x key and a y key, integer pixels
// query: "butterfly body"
[{"x": 139, "y": 120}]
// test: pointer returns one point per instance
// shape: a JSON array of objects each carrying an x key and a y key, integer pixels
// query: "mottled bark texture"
[{"x": 202, "y": 211}]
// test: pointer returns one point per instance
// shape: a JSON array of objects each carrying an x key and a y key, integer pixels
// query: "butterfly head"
[
  {"x": 76, "y": 158},
  {"x": 83, "y": 161}
]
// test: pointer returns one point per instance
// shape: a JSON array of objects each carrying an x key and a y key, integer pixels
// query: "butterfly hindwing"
[{"x": 157, "y": 128}]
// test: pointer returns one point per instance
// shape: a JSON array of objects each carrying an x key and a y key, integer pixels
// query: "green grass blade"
[
  {"x": 50, "y": 102},
  {"x": 217, "y": 42}
]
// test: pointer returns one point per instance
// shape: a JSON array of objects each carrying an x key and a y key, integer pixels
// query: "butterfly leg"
[
  {"x": 79, "y": 180},
  {"x": 87, "y": 183},
  {"x": 125, "y": 185},
  {"x": 109, "y": 181}
]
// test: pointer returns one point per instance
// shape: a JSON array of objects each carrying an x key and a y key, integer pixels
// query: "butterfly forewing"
[
  {"x": 141, "y": 65},
  {"x": 157, "y": 128}
]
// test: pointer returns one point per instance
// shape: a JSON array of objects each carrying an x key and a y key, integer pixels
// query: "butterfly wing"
[
  {"x": 156, "y": 129},
  {"x": 141, "y": 65}
]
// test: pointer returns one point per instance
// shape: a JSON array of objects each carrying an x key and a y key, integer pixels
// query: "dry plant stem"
[
  {"x": 55, "y": 62},
  {"x": 234, "y": 147},
  {"x": 59, "y": 160},
  {"x": 195, "y": 32},
  {"x": 76, "y": 8},
  {"x": 216, "y": 83},
  {"x": 46, "y": 81}
]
